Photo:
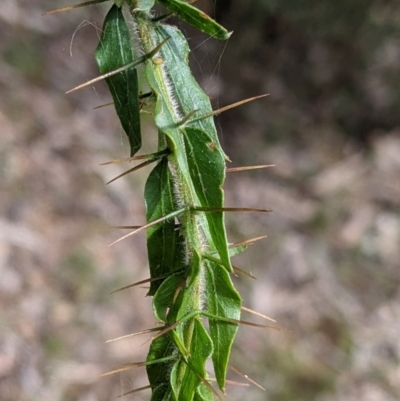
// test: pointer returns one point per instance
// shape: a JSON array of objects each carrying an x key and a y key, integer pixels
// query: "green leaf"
[
  {"x": 189, "y": 94},
  {"x": 200, "y": 350},
  {"x": 174, "y": 381},
  {"x": 163, "y": 298},
  {"x": 158, "y": 374},
  {"x": 164, "y": 115},
  {"x": 222, "y": 300},
  {"x": 197, "y": 345},
  {"x": 196, "y": 17},
  {"x": 203, "y": 393},
  {"x": 207, "y": 170},
  {"x": 185, "y": 379},
  {"x": 162, "y": 393},
  {"x": 115, "y": 51},
  {"x": 162, "y": 240}
]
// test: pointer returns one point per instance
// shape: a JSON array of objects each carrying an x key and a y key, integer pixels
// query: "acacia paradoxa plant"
[{"x": 189, "y": 255}]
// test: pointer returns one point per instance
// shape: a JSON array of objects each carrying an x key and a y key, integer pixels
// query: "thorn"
[
  {"x": 261, "y": 326},
  {"x": 237, "y": 384},
  {"x": 237, "y": 104},
  {"x": 152, "y": 223},
  {"x": 246, "y": 377},
  {"x": 124, "y": 368},
  {"x": 148, "y": 280},
  {"x": 134, "y": 391},
  {"x": 184, "y": 119},
  {"x": 135, "y": 334},
  {"x": 155, "y": 155},
  {"x": 236, "y": 169},
  {"x": 244, "y": 272},
  {"x": 181, "y": 122},
  {"x": 69, "y": 8},
  {"x": 208, "y": 385},
  {"x": 244, "y": 322},
  {"x": 118, "y": 227},
  {"x": 164, "y": 331},
  {"x": 235, "y": 269},
  {"x": 140, "y": 60},
  {"x": 178, "y": 289},
  {"x": 217, "y": 261},
  {"x": 247, "y": 242},
  {"x": 141, "y": 101},
  {"x": 101, "y": 77},
  {"x": 229, "y": 209},
  {"x": 203, "y": 380},
  {"x": 245, "y": 209},
  {"x": 103, "y": 105},
  {"x": 131, "y": 170},
  {"x": 231, "y": 382},
  {"x": 230, "y": 106},
  {"x": 258, "y": 314},
  {"x": 128, "y": 366}
]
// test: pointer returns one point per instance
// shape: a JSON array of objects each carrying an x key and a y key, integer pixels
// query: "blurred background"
[{"x": 329, "y": 270}]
